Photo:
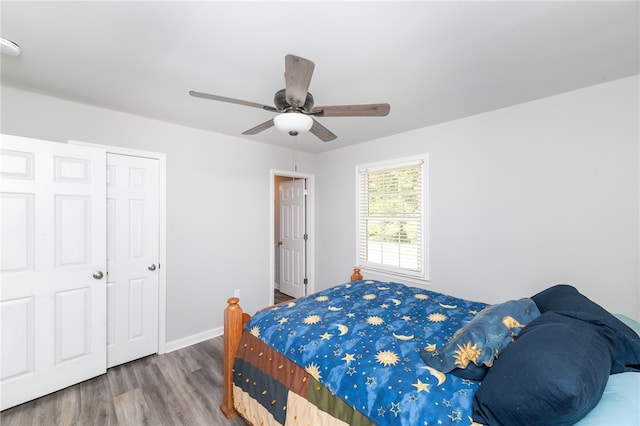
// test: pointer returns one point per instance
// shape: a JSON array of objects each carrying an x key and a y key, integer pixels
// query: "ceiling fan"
[{"x": 295, "y": 106}]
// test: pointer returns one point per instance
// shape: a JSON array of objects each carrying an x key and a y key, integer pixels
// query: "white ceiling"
[{"x": 432, "y": 61}]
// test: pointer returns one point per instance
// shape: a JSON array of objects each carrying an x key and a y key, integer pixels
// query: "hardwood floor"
[
  {"x": 280, "y": 297},
  {"x": 183, "y": 387}
]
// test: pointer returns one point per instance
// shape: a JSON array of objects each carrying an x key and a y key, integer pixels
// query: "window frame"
[{"x": 387, "y": 271}]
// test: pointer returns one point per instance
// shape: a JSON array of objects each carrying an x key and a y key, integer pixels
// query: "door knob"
[
  {"x": 151, "y": 267},
  {"x": 98, "y": 275}
]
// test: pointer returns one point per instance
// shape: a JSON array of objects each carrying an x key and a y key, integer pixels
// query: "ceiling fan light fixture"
[
  {"x": 293, "y": 122},
  {"x": 9, "y": 48}
]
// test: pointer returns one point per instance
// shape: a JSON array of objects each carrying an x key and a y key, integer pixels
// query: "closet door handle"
[
  {"x": 98, "y": 275},
  {"x": 152, "y": 267}
]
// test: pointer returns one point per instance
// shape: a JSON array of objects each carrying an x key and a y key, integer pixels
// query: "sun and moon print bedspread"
[{"x": 362, "y": 341}]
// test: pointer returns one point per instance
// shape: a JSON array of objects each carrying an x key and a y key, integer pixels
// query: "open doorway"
[{"x": 292, "y": 243}]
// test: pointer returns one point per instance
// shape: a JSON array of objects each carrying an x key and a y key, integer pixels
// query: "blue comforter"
[{"x": 362, "y": 340}]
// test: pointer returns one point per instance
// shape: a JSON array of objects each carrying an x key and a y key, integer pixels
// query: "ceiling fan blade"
[
  {"x": 368, "y": 110},
  {"x": 259, "y": 128},
  {"x": 324, "y": 134},
  {"x": 231, "y": 100},
  {"x": 297, "y": 74}
]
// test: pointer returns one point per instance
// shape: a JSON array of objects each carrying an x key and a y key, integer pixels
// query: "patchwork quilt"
[{"x": 351, "y": 355}]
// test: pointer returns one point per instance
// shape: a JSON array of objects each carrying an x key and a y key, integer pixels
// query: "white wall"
[
  {"x": 520, "y": 198},
  {"x": 217, "y": 201}
]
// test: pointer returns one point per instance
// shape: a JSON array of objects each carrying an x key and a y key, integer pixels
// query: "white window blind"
[{"x": 391, "y": 218}]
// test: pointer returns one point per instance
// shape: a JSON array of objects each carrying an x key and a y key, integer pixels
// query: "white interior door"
[
  {"x": 132, "y": 256},
  {"x": 53, "y": 296},
  {"x": 293, "y": 236}
]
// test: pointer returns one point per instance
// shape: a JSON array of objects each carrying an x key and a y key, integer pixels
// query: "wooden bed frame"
[{"x": 234, "y": 322}]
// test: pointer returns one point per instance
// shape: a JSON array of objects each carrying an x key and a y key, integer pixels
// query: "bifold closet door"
[
  {"x": 52, "y": 267},
  {"x": 132, "y": 257}
]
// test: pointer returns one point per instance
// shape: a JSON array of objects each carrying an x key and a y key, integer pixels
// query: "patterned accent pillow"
[{"x": 475, "y": 346}]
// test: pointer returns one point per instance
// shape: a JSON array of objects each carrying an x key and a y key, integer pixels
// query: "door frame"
[
  {"x": 310, "y": 210},
  {"x": 162, "y": 226}
]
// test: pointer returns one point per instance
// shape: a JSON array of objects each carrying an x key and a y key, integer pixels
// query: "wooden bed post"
[
  {"x": 233, "y": 323},
  {"x": 356, "y": 276}
]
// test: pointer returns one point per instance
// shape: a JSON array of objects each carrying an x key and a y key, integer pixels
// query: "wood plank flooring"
[
  {"x": 280, "y": 297},
  {"x": 183, "y": 387}
]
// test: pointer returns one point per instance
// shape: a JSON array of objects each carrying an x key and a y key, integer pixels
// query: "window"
[{"x": 391, "y": 210}]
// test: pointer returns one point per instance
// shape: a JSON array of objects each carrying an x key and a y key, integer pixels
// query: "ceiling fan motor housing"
[{"x": 280, "y": 102}]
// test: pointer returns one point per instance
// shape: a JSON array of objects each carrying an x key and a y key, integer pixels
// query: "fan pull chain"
[{"x": 294, "y": 157}]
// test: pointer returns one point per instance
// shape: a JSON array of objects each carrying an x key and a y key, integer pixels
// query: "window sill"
[{"x": 376, "y": 274}]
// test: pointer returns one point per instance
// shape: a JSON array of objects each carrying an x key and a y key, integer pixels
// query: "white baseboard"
[{"x": 193, "y": 339}]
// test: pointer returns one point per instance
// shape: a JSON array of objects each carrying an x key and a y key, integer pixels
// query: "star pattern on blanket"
[
  {"x": 421, "y": 386},
  {"x": 362, "y": 341}
]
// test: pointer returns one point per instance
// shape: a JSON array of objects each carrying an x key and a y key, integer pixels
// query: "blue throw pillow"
[
  {"x": 471, "y": 372},
  {"x": 565, "y": 298},
  {"x": 474, "y": 347},
  {"x": 554, "y": 373}
]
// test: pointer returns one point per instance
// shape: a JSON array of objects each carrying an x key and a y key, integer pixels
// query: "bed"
[{"x": 381, "y": 353}]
